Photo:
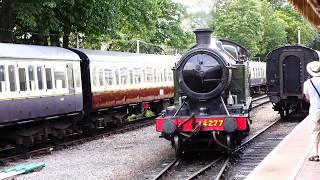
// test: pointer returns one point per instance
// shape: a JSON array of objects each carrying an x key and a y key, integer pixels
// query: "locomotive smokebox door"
[{"x": 202, "y": 72}]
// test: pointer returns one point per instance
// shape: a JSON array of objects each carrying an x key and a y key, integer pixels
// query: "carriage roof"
[{"x": 20, "y": 51}]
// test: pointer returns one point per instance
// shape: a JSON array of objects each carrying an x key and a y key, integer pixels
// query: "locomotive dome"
[{"x": 203, "y": 71}]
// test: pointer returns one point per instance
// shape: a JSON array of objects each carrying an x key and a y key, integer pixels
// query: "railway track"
[
  {"x": 259, "y": 101},
  {"x": 248, "y": 155},
  {"x": 76, "y": 140}
]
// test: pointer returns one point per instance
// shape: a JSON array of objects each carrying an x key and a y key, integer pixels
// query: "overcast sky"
[{"x": 196, "y": 5}]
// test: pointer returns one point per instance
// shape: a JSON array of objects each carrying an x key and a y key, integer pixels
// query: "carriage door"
[
  {"x": 291, "y": 75},
  {"x": 70, "y": 78}
]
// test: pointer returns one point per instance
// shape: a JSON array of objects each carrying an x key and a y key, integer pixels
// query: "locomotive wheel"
[{"x": 177, "y": 142}]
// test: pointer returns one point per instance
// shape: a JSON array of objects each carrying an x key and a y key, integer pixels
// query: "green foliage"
[
  {"x": 242, "y": 22},
  {"x": 274, "y": 30},
  {"x": 315, "y": 43},
  {"x": 261, "y": 25},
  {"x": 101, "y": 21},
  {"x": 293, "y": 21}
]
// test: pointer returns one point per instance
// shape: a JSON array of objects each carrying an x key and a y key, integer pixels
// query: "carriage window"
[
  {"x": 12, "y": 78},
  {"x": 124, "y": 75},
  {"x": 77, "y": 77},
  {"x": 170, "y": 76},
  {"x": 2, "y": 79},
  {"x": 149, "y": 75},
  {"x": 131, "y": 76},
  {"x": 108, "y": 77},
  {"x": 22, "y": 79},
  {"x": 161, "y": 76},
  {"x": 144, "y": 76},
  {"x": 94, "y": 77},
  {"x": 49, "y": 78},
  {"x": 101, "y": 77},
  {"x": 259, "y": 70},
  {"x": 137, "y": 75},
  {"x": 32, "y": 83},
  {"x": 70, "y": 77},
  {"x": 117, "y": 77},
  {"x": 40, "y": 77},
  {"x": 155, "y": 75},
  {"x": 165, "y": 75},
  {"x": 59, "y": 78}
]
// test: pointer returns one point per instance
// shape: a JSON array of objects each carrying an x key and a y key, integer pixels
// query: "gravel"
[{"x": 120, "y": 156}]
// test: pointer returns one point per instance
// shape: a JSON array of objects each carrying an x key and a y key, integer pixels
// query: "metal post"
[
  {"x": 138, "y": 46},
  {"x": 299, "y": 30}
]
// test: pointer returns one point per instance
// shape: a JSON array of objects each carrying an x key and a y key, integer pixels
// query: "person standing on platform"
[{"x": 311, "y": 90}]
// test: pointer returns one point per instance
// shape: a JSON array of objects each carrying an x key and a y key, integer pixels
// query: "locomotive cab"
[{"x": 212, "y": 83}]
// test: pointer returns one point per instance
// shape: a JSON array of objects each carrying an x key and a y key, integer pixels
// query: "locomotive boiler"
[{"x": 212, "y": 97}]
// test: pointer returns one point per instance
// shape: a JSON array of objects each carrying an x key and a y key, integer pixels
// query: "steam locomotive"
[{"x": 212, "y": 96}]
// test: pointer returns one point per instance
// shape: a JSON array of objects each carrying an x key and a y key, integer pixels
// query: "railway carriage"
[
  {"x": 122, "y": 84},
  {"x": 286, "y": 73},
  {"x": 38, "y": 83},
  {"x": 257, "y": 77},
  {"x": 51, "y": 92}
]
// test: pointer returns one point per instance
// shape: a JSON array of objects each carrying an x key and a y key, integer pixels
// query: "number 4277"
[{"x": 211, "y": 123}]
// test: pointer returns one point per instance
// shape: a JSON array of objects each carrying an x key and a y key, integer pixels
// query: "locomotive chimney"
[{"x": 203, "y": 36}]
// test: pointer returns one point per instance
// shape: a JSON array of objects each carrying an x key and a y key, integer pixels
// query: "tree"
[
  {"x": 47, "y": 22},
  {"x": 261, "y": 25},
  {"x": 274, "y": 30},
  {"x": 315, "y": 43},
  {"x": 294, "y": 20},
  {"x": 277, "y": 4},
  {"x": 7, "y": 20},
  {"x": 242, "y": 22}
]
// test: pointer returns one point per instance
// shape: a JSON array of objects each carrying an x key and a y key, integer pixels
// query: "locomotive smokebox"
[
  {"x": 203, "y": 36},
  {"x": 203, "y": 71}
]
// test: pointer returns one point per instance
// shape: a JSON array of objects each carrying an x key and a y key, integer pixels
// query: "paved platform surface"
[{"x": 289, "y": 160}]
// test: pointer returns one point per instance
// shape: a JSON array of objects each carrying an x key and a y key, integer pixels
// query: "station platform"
[{"x": 289, "y": 160}]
